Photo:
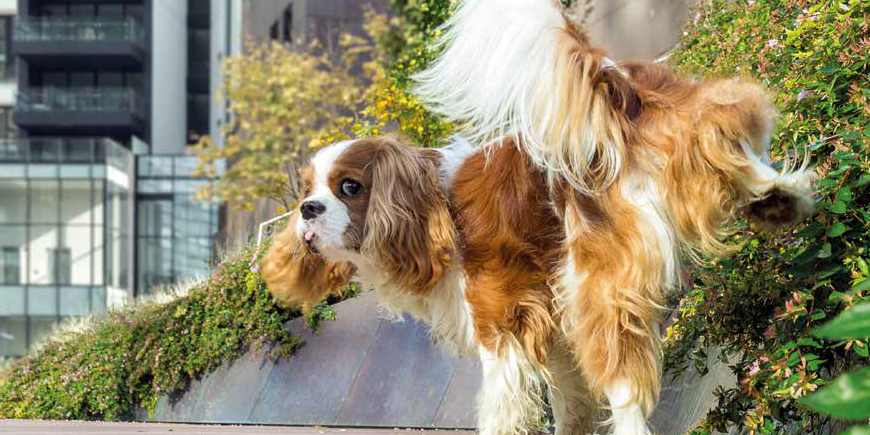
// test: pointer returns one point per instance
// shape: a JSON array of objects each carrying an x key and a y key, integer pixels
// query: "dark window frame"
[{"x": 11, "y": 269}]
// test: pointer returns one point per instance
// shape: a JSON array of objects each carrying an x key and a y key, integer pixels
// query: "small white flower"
[{"x": 772, "y": 43}]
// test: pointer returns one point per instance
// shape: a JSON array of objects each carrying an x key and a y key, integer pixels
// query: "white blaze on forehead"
[
  {"x": 329, "y": 227},
  {"x": 325, "y": 159}
]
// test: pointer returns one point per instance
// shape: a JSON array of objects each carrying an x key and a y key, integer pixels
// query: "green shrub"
[
  {"x": 760, "y": 304},
  {"x": 105, "y": 369}
]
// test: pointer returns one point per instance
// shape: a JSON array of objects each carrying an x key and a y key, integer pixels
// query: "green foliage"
[
  {"x": 848, "y": 397},
  {"x": 853, "y": 324},
  {"x": 107, "y": 368},
  {"x": 760, "y": 304}
]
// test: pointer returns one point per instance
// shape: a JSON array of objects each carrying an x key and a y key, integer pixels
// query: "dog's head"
[{"x": 378, "y": 203}]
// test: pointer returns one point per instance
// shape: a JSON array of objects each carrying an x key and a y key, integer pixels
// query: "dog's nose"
[{"x": 312, "y": 209}]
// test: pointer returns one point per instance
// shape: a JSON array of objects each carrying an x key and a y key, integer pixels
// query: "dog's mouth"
[{"x": 309, "y": 238}]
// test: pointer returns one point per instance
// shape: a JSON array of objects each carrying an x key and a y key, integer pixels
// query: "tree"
[{"x": 285, "y": 100}]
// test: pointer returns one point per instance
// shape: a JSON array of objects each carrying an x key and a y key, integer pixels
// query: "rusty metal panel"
[
  {"x": 402, "y": 380},
  {"x": 458, "y": 409},
  {"x": 310, "y": 386}
]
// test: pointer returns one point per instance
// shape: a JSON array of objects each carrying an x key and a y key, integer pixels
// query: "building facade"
[{"x": 98, "y": 104}]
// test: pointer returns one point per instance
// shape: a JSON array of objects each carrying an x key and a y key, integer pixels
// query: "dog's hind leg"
[
  {"x": 610, "y": 299},
  {"x": 574, "y": 406}
]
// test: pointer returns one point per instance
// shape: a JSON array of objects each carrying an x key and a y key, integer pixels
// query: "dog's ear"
[
  {"x": 296, "y": 276},
  {"x": 409, "y": 230}
]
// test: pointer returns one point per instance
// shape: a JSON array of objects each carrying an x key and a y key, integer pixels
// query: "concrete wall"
[{"x": 169, "y": 77}]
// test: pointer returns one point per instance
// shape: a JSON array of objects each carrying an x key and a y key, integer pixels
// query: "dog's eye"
[{"x": 350, "y": 187}]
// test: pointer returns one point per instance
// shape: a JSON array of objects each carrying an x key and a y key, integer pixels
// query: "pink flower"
[
  {"x": 754, "y": 368},
  {"x": 804, "y": 93},
  {"x": 772, "y": 43}
]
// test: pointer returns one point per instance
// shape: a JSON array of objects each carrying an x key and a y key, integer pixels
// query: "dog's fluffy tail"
[{"x": 520, "y": 67}]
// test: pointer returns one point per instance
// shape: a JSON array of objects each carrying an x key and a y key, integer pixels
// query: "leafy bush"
[
  {"x": 760, "y": 304},
  {"x": 107, "y": 368},
  {"x": 849, "y": 396}
]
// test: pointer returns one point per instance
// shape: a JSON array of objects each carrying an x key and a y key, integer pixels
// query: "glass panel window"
[
  {"x": 134, "y": 12},
  {"x": 75, "y": 203},
  {"x": 81, "y": 80},
  {"x": 134, "y": 80},
  {"x": 8, "y": 130},
  {"x": 60, "y": 265},
  {"x": 12, "y": 254},
  {"x": 155, "y": 218},
  {"x": 13, "y": 336},
  {"x": 13, "y": 201},
  {"x": 44, "y": 199},
  {"x": 42, "y": 301},
  {"x": 54, "y": 79},
  {"x": 110, "y": 80},
  {"x": 98, "y": 255},
  {"x": 41, "y": 245},
  {"x": 99, "y": 209},
  {"x": 155, "y": 263},
  {"x": 79, "y": 255},
  {"x": 41, "y": 327},
  {"x": 7, "y": 62},
  {"x": 84, "y": 11},
  {"x": 110, "y": 12},
  {"x": 53, "y": 10},
  {"x": 10, "y": 265},
  {"x": 75, "y": 301}
]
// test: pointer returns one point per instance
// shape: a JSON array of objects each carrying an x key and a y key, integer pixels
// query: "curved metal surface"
[{"x": 362, "y": 370}]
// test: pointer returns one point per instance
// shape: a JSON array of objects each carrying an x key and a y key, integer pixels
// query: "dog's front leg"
[{"x": 509, "y": 402}]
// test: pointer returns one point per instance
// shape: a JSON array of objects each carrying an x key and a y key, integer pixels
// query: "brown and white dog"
[{"x": 547, "y": 251}]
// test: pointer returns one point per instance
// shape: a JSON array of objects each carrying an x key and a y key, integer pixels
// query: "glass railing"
[
  {"x": 58, "y": 29},
  {"x": 58, "y": 150},
  {"x": 79, "y": 100}
]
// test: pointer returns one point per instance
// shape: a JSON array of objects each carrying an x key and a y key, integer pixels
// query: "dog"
[{"x": 544, "y": 240}]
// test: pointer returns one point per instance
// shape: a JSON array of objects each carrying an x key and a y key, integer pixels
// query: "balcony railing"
[
  {"x": 99, "y": 100},
  {"x": 50, "y": 29},
  {"x": 58, "y": 150}
]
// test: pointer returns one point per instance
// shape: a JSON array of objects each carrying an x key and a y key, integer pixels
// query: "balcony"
[
  {"x": 57, "y": 150},
  {"x": 86, "y": 111},
  {"x": 42, "y": 41}
]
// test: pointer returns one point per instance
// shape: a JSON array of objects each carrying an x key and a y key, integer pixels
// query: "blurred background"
[{"x": 101, "y": 103}]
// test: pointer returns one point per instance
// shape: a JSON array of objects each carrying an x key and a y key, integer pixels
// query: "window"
[
  {"x": 8, "y": 130},
  {"x": 60, "y": 265},
  {"x": 11, "y": 267},
  {"x": 81, "y": 80},
  {"x": 7, "y": 62},
  {"x": 53, "y": 10},
  {"x": 288, "y": 24},
  {"x": 81, "y": 12},
  {"x": 110, "y": 12}
]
